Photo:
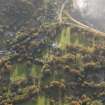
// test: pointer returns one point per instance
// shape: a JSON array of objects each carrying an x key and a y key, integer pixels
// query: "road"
[{"x": 90, "y": 12}]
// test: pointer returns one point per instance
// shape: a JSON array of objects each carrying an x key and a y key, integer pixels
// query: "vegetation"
[{"x": 49, "y": 62}]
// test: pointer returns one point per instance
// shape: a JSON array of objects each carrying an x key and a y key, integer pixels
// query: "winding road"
[{"x": 90, "y": 12}]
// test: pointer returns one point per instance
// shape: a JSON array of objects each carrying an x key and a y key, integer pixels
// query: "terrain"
[{"x": 50, "y": 58}]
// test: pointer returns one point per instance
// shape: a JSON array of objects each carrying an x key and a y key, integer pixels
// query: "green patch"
[
  {"x": 40, "y": 101},
  {"x": 65, "y": 38},
  {"x": 20, "y": 72}
]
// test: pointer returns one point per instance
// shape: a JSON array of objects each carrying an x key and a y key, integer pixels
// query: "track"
[{"x": 86, "y": 27}]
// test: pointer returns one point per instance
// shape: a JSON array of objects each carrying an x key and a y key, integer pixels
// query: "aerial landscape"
[{"x": 52, "y": 52}]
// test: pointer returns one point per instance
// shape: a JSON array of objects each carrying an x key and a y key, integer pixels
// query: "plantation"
[{"x": 49, "y": 60}]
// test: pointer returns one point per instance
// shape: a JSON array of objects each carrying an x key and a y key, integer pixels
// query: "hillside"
[{"x": 47, "y": 57}]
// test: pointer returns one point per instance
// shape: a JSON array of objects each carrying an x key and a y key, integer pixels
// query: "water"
[{"x": 90, "y": 12}]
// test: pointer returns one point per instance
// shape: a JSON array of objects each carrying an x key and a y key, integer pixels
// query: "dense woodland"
[{"x": 47, "y": 58}]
